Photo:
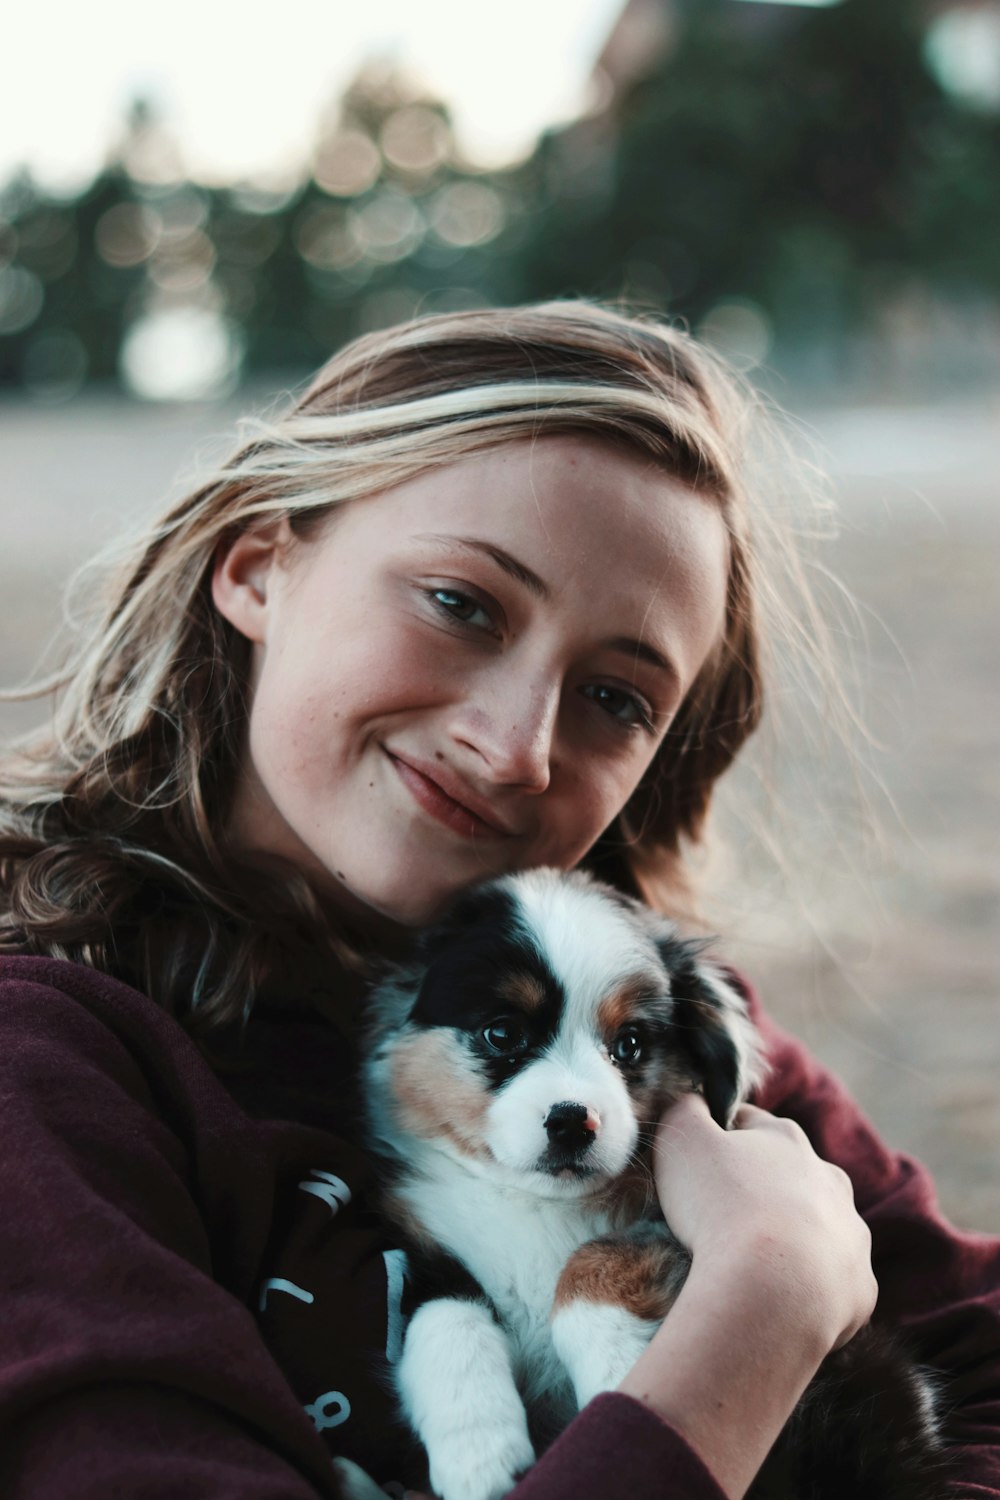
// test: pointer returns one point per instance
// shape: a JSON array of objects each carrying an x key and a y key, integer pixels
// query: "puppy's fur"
[{"x": 515, "y": 1074}]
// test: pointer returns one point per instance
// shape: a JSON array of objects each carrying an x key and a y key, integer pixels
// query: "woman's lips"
[{"x": 434, "y": 800}]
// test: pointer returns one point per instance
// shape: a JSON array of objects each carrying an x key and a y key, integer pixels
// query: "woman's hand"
[
  {"x": 757, "y": 1203},
  {"x": 780, "y": 1275}
]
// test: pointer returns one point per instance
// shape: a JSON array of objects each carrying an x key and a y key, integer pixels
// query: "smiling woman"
[
  {"x": 489, "y": 596},
  {"x": 476, "y": 716},
  {"x": 492, "y": 567}
]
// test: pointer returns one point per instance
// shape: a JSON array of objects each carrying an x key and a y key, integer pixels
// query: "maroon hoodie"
[{"x": 198, "y": 1302}]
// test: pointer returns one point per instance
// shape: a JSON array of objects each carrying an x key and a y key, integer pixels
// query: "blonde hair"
[{"x": 112, "y": 824}]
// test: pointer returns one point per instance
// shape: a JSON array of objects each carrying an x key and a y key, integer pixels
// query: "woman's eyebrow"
[
  {"x": 643, "y": 651},
  {"x": 517, "y": 570},
  {"x": 627, "y": 645}
]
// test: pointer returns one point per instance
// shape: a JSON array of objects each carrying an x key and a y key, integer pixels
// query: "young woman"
[{"x": 488, "y": 597}]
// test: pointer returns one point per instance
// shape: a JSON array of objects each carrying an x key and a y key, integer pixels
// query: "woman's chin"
[{"x": 388, "y": 919}]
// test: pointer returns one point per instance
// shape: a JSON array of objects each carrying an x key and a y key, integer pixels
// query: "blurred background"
[{"x": 191, "y": 220}]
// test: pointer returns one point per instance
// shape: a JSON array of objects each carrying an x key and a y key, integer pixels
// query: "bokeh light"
[
  {"x": 415, "y": 139},
  {"x": 127, "y": 234},
  {"x": 181, "y": 354},
  {"x": 740, "y": 330},
  {"x": 183, "y": 261},
  {"x": 325, "y": 238},
  {"x": 347, "y": 164},
  {"x": 963, "y": 49},
  {"x": 389, "y": 226},
  {"x": 467, "y": 213},
  {"x": 21, "y": 299}
]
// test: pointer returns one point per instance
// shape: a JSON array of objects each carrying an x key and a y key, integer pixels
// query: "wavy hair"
[{"x": 113, "y": 848}]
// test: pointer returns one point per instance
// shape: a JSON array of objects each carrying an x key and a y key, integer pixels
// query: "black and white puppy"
[{"x": 514, "y": 1077}]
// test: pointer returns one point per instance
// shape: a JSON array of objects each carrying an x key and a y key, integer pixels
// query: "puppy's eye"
[
  {"x": 626, "y": 1047},
  {"x": 506, "y": 1037}
]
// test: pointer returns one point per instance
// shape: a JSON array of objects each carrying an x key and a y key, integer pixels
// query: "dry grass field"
[{"x": 884, "y": 959}]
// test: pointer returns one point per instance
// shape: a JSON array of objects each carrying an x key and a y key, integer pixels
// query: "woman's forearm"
[
  {"x": 726, "y": 1369},
  {"x": 781, "y": 1274}
]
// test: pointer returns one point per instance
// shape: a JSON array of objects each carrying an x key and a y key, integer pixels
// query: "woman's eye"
[
  {"x": 462, "y": 607},
  {"x": 505, "y": 1037},
  {"x": 625, "y": 707},
  {"x": 626, "y": 1047}
]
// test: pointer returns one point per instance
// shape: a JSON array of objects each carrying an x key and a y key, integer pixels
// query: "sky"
[{"x": 244, "y": 85}]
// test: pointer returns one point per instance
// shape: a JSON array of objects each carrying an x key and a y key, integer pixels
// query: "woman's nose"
[{"x": 512, "y": 734}]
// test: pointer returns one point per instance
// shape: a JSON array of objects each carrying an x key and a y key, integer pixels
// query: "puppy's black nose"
[{"x": 570, "y": 1127}]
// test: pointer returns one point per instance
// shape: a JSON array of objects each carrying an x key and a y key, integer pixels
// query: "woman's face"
[{"x": 468, "y": 673}]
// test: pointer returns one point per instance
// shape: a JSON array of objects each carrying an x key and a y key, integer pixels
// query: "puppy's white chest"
[{"x": 516, "y": 1247}]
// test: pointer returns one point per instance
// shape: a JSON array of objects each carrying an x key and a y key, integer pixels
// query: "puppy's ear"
[{"x": 713, "y": 1027}]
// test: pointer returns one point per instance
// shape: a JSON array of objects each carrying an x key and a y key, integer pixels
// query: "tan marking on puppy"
[
  {"x": 524, "y": 991},
  {"x": 621, "y": 1005},
  {"x": 395, "y": 1208},
  {"x": 644, "y": 1278},
  {"x": 437, "y": 1091}
]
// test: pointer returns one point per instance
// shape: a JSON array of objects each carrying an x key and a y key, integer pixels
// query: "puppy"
[{"x": 514, "y": 1076}]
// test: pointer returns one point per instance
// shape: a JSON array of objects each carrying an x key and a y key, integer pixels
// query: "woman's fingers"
[
  {"x": 757, "y": 1201},
  {"x": 750, "y": 1117}
]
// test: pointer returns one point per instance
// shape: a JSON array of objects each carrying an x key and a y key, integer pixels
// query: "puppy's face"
[{"x": 552, "y": 1022}]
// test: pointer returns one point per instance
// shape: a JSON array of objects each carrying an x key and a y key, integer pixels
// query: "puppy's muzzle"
[{"x": 571, "y": 1129}]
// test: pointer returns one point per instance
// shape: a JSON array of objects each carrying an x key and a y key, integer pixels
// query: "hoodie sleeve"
[{"x": 126, "y": 1367}]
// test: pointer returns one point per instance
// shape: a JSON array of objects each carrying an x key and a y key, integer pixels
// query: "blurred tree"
[
  {"x": 90, "y": 255},
  {"x": 803, "y": 162},
  {"x": 803, "y": 158}
]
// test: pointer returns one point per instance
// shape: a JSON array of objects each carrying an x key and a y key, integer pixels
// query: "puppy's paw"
[
  {"x": 458, "y": 1391},
  {"x": 598, "y": 1345},
  {"x": 481, "y": 1463}
]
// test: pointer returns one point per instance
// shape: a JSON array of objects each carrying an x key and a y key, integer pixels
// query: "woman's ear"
[{"x": 243, "y": 577}]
